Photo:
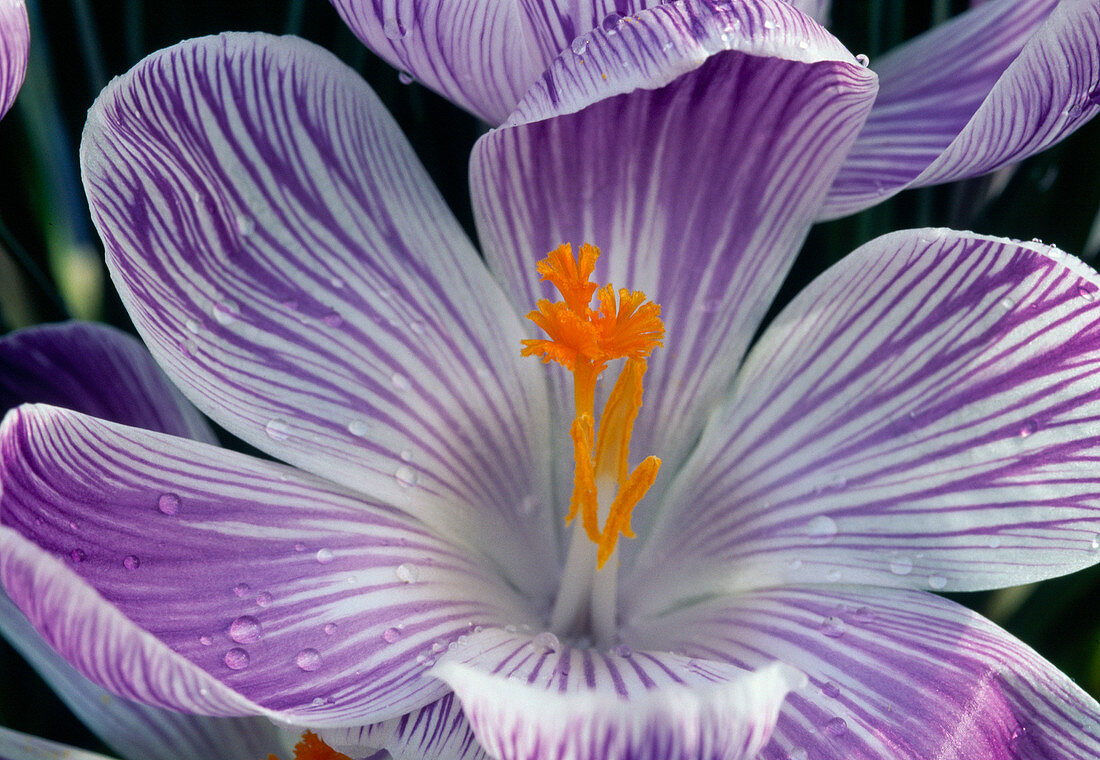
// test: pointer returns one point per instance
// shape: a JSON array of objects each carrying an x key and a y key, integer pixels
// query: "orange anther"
[{"x": 311, "y": 747}]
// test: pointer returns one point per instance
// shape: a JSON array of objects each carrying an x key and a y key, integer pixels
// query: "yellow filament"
[{"x": 584, "y": 340}]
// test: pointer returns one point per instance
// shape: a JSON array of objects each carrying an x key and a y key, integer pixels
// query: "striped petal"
[
  {"x": 529, "y": 697},
  {"x": 135, "y": 731},
  {"x": 438, "y": 731},
  {"x": 923, "y": 415},
  {"x": 991, "y": 87},
  {"x": 184, "y": 576},
  {"x": 97, "y": 370},
  {"x": 15, "y": 39},
  {"x": 291, "y": 267},
  {"x": 692, "y": 144},
  {"x": 893, "y": 674},
  {"x": 17, "y": 746}
]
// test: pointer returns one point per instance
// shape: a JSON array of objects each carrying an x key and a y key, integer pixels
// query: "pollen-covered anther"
[
  {"x": 312, "y": 747},
  {"x": 585, "y": 340}
]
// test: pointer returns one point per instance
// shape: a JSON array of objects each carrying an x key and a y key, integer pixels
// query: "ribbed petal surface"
[
  {"x": 292, "y": 268},
  {"x": 923, "y": 415},
  {"x": 531, "y": 697},
  {"x": 15, "y": 39},
  {"x": 97, "y": 370},
  {"x": 893, "y": 674},
  {"x": 185, "y": 576},
  {"x": 692, "y": 144},
  {"x": 991, "y": 87}
]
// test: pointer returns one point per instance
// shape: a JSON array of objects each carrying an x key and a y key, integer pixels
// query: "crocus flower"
[
  {"x": 921, "y": 418},
  {"x": 15, "y": 38},
  {"x": 989, "y": 88}
]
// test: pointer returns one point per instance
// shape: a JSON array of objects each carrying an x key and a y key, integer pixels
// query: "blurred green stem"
[{"x": 89, "y": 45}]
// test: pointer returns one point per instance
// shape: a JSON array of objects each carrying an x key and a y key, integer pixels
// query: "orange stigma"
[
  {"x": 584, "y": 340},
  {"x": 311, "y": 747}
]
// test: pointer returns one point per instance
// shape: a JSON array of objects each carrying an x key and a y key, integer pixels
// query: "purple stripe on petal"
[
  {"x": 97, "y": 370},
  {"x": 15, "y": 38},
  {"x": 241, "y": 586},
  {"x": 987, "y": 89},
  {"x": 438, "y": 731},
  {"x": 531, "y": 697},
  {"x": 892, "y": 673},
  {"x": 699, "y": 192},
  {"x": 291, "y": 267},
  {"x": 923, "y": 415}
]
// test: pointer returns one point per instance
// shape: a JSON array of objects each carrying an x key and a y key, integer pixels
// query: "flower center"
[
  {"x": 585, "y": 339},
  {"x": 311, "y": 747}
]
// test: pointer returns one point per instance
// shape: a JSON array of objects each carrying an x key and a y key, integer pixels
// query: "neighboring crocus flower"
[
  {"x": 920, "y": 418},
  {"x": 15, "y": 38},
  {"x": 101, "y": 371},
  {"x": 989, "y": 88}
]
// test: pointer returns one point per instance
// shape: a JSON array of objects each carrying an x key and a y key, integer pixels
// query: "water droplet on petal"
[
  {"x": 308, "y": 659},
  {"x": 937, "y": 582},
  {"x": 821, "y": 529},
  {"x": 407, "y": 573},
  {"x": 623, "y": 651},
  {"x": 168, "y": 503},
  {"x": 206, "y": 640},
  {"x": 1086, "y": 291},
  {"x": 1028, "y": 428},
  {"x": 318, "y": 702},
  {"x": 131, "y": 562},
  {"x": 393, "y": 29},
  {"x": 545, "y": 642},
  {"x": 832, "y": 626},
  {"x": 579, "y": 44},
  {"x": 330, "y": 628},
  {"x": 798, "y": 754},
  {"x": 391, "y": 635},
  {"x": 901, "y": 566},
  {"x": 769, "y": 24},
  {"x": 358, "y": 428},
  {"x": 833, "y": 575},
  {"x": 245, "y": 630},
  {"x": 246, "y": 225},
  {"x": 837, "y": 726},
  {"x": 863, "y": 615},
  {"x": 405, "y": 476},
  {"x": 236, "y": 659},
  {"x": 77, "y": 555},
  {"x": 264, "y": 599},
  {"x": 277, "y": 429},
  {"x": 611, "y": 22},
  {"x": 241, "y": 589},
  {"x": 863, "y": 60},
  {"x": 405, "y": 77},
  {"x": 1095, "y": 544},
  {"x": 193, "y": 326},
  {"x": 324, "y": 556},
  {"x": 994, "y": 542},
  {"x": 830, "y": 689},
  {"x": 226, "y": 312},
  {"x": 333, "y": 319},
  {"x": 400, "y": 382}
]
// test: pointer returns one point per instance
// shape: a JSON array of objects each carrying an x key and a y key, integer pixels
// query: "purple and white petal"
[
  {"x": 17, "y": 746},
  {"x": 185, "y": 576},
  {"x": 294, "y": 271},
  {"x": 987, "y": 89},
  {"x": 692, "y": 143},
  {"x": 97, "y": 370},
  {"x": 530, "y": 697},
  {"x": 925, "y": 414},
  {"x": 892, "y": 673},
  {"x": 15, "y": 40},
  {"x": 438, "y": 731}
]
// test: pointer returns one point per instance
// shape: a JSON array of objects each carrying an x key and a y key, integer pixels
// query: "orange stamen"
[
  {"x": 311, "y": 747},
  {"x": 584, "y": 340}
]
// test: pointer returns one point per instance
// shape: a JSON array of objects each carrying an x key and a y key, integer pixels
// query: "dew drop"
[
  {"x": 193, "y": 326},
  {"x": 832, "y": 626},
  {"x": 245, "y": 630},
  {"x": 407, "y": 573},
  {"x": 333, "y": 319},
  {"x": 241, "y": 590},
  {"x": 168, "y": 503},
  {"x": 391, "y": 635},
  {"x": 393, "y": 29},
  {"x": 131, "y": 562},
  {"x": 405, "y": 476},
  {"x": 1094, "y": 545},
  {"x": 400, "y": 382},
  {"x": 1028, "y": 428},
  {"x": 545, "y": 642},
  {"x": 358, "y": 428},
  {"x": 795, "y": 564},
  {"x": 830, "y": 689},
  {"x": 611, "y": 22},
  {"x": 769, "y": 24},
  {"x": 623, "y": 651},
  {"x": 246, "y": 225},
  {"x": 803, "y": 45},
  {"x": 994, "y": 542},
  {"x": 936, "y": 582},
  {"x": 299, "y": 547},
  {"x": 579, "y": 44},
  {"x": 863, "y": 60},
  {"x": 277, "y": 429},
  {"x": 1089, "y": 294},
  {"x": 405, "y": 77},
  {"x": 324, "y": 556},
  {"x": 438, "y": 646},
  {"x": 901, "y": 566},
  {"x": 821, "y": 529},
  {"x": 833, "y": 575},
  {"x": 236, "y": 659},
  {"x": 206, "y": 640},
  {"x": 308, "y": 659},
  {"x": 836, "y": 726},
  {"x": 264, "y": 599},
  {"x": 1008, "y": 304},
  {"x": 318, "y": 702},
  {"x": 78, "y": 555},
  {"x": 330, "y": 628},
  {"x": 406, "y": 455},
  {"x": 226, "y": 312},
  {"x": 863, "y": 615},
  {"x": 798, "y": 754}
]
